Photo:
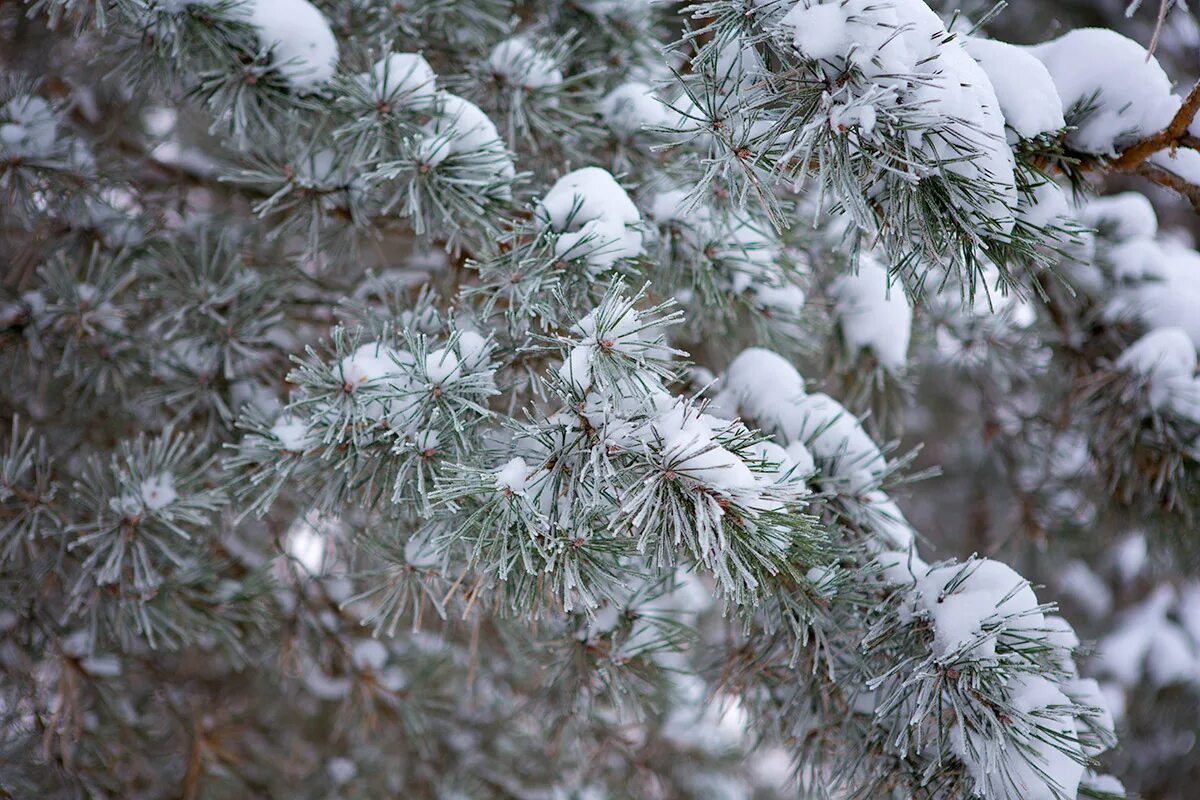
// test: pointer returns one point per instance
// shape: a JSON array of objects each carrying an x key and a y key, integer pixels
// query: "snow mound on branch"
[
  {"x": 405, "y": 80},
  {"x": 903, "y": 47},
  {"x": 1026, "y": 93},
  {"x": 1166, "y": 358},
  {"x": 873, "y": 314},
  {"x": 764, "y": 387},
  {"x": 964, "y": 599},
  {"x": 292, "y": 434},
  {"x": 512, "y": 476},
  {"x": 1121, "y": 217},
  {"x": 690, "y": 447},
  {"x": 461, "y": 128},
  {"x": 1130, "y": 92},
  {"x": 982, "y": 613},
  {"x": 28, "y": 128},
  {"x": 303, "y": 47},
  {"x": 1047, "y": 771},
  {"x": 594, "y": 218},
  {"x": 631, "y": 107},
  {"x": 837, "y": 439},
  {"x": 1147, "y": 642},
  {"x": 468, "y": 127},
  {"x": 521, "y": 64}
]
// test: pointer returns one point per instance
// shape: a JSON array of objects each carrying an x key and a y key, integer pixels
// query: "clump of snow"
[
  {"x": 957, "y": 103},
  {"x": 594, "y": 217},
  {"x": 369, "y": 362},
  {"x": 292, "y": 434},
  {"x": 441, "y": 365},
  {"x": 519, "y": 63},
  {"x": 1051, "y": 768},
  {"x": 404, "y": 80},
  {"x": 1130, "y": 93},
  {"x": 819, "y": 31},
  {"x": 1047, "y": 207},
  {"x": 465, "y": 127},
  {"x": 303, "y": 47},
  {"x": 1181, "y": 161},
  {"x": 307, "y": 541},
  {"x": 763, "y": 386},
  {"x": 1028, "y": 98},
  {"x": 873, "y": 314},
  {"x": 837, "y": 439},
  {"x": 1166, "y": 358},
  {"x": 458, "y": 127},
  {"x": 964, "y": 599},
  {"x": 28, "y": 127},
  {"x": 158, "y": 491},
  {"x": 689, "y": 445},
  {"x": 372, "y": 366},
  {"x": 631, "y": 107},
  {"x": 512, "y": 477},
  {"x": 1122, "y": 216}
]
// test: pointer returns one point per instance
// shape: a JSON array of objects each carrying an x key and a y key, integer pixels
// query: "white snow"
[
  {"x": 521, "y": 64},
  {"x": 594, "y": 218},
  {"x": 961, "y": 598},
  {"x": 405, "y": 80},
  {"x": 1182, "y": 161},
  {"x": 631, "y": 107},
  {"x": 762, "y": 386},
  {"x": 889, "y": 41},
  {"x": 468, "y": 128},
  {"x": 1051, "y": 769},
  {"x": 306, "y": 543},
  {"x": 372, "y": 361},
  {"x": 1165, "y": 357},
  {"x": 837, "y": 439},
  {"x": 819, "y": 31},
  {"x": 1132, "y": 94},
  {"x": 458, "y": 127},
  {"x": 690, "y": 447},
  {"x": 158, "y": 491},
  {"x": 441, "y": 365},
  {"x": 303, "y": 47},
  {"x": 1121, "y": 216},
  {"x": 1028, "y": 98},
  {"x": 512, "y": 476},
  {"x": 292, "y": 434},
  {"x": 28, "y": 127},
  {"x": 873, "y": 314}
]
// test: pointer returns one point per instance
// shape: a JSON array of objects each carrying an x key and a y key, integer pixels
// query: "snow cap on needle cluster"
[
  {"x": 384, "y": 382},
  {"x": 1155, "y": 283},
  {"x": 981, "y": 613},
  {"x": 594, "y": 218},
  {"x": 621, "y": 333},
  {"x": 28, "y": 127},
  {"x": 1127, "y": 91},
  {"x": 632, "y": 107},
  {"x": 873, "y": 314},
  {"x": 901, "y": 47},
  {"x": 403, "y": 80},
  {"x": 522, "y": 64},
  {"x": 303, "y": 47},
  {"x": 1027, "y": 95},
  {"x": 461, "y": 128}
]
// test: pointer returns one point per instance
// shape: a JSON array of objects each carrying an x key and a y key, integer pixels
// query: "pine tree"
[{"x": 481, "y": 398}]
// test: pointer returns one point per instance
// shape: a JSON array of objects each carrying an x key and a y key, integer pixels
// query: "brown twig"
[
  {"x": 1174, "y": 135},
  {"x": 1164, "y": 177}
]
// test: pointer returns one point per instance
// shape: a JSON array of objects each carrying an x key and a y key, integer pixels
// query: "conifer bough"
[{"x": 491, "y": 399}]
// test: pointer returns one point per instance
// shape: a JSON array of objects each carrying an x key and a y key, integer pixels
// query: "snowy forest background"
[{"x": 599, "y": 399}]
